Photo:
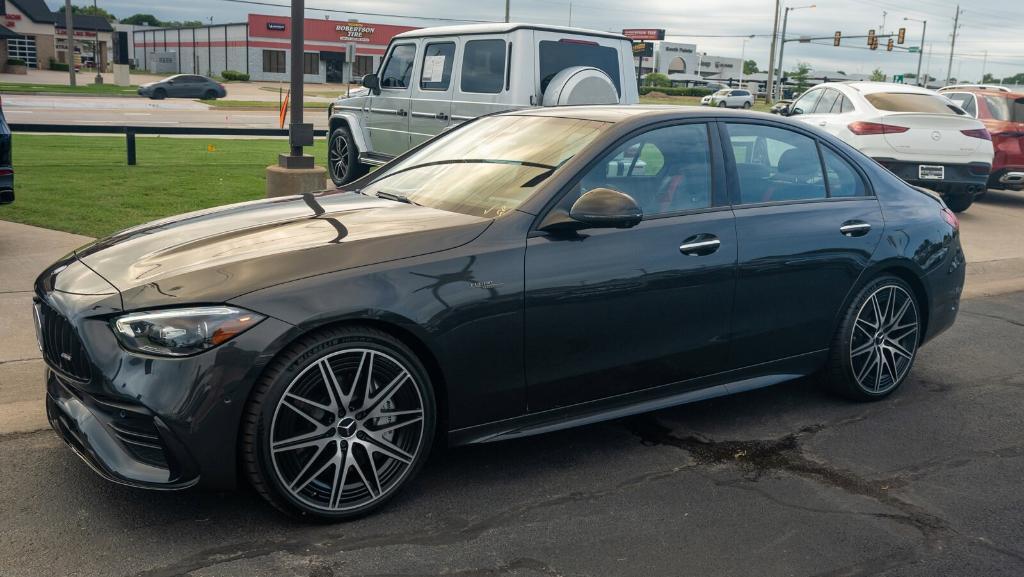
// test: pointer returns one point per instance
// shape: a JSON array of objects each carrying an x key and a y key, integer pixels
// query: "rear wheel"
[
  {"x": 343, "y": 157},
  {"x": 876, "y": 343},
  {"x": 959, "y": 202},
  {"x": 746, "y": 104},
  {"x": 338, "y": 424},
  {"x": 209, "y": 95}
]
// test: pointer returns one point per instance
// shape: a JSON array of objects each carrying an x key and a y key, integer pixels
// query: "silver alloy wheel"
[
  {"x": 347, "y": 430},
  {"x": 338, "y": 158},
  {"x": 884, "y": 340}
]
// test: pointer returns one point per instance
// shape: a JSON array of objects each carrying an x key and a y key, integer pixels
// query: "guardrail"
[{"x": 130, "y": 131}]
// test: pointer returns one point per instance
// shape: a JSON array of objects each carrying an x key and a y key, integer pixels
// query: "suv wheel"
[
  {"x": 338, "y": 424},
  {"x": 876, "y": 343},
  {"x": 343, "y": 157},
  {"x": 959, "y": 202}
]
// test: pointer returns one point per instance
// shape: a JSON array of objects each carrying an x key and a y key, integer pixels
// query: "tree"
[
  {"x": 1015, "y": 79},
  {"x": 799, "y": 76},
  {"x": 877, "y": 75},
  {"x": 843, "y": 72},
  {"x": 657, "y": 79},
  {"x": 89, "y": 11},
  {"x": 750, "y": 67},
  {"x": 141, "y": 20}
]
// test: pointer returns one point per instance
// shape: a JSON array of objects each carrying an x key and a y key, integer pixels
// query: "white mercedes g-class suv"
[{"x": 435, "y": 78}]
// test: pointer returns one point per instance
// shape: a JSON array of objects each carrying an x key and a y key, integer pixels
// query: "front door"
[
  {"x": 388, "y": 117},
  {"x": 430, "y": 108},
  {"x": 610, "y": 311},
  {"x": 805, "y": 236}
]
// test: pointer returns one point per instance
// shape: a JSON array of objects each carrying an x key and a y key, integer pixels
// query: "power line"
[{"x": 338, "y": 11}]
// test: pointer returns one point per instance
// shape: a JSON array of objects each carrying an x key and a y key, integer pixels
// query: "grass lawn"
[
  {"x": 221, "y": 103},
  {"x": 99, "y": 89},
  {"x": 89, "y": 189}
]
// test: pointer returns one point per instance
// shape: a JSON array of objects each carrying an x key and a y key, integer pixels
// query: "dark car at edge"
[{"x": 522, "y": 273}]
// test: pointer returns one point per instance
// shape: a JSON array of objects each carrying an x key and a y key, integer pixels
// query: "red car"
[{"x": 1003, "y": 115}]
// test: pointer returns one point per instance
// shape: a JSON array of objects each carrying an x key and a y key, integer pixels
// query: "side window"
[
  {"x": 806, "y": 103},
  {"x": 398, "y": 69},
  {"x": 827, "y": 101},
  {"x": 964, "y": 100},
  {"x": 666, "y": 170},
  {"x": 843, "y": 179},
  {"x": 842, "y": 105},
  {"x": 775, "y": 164},
  {"x": 437, "y": 66},
  {"x": 483, "y": 66}
]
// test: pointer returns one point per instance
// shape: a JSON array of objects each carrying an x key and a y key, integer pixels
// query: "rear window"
[
  {"x": 1002, "y": 108},
  {"x": 910, "y": 102},
  {"x": 557, "y": 56}
]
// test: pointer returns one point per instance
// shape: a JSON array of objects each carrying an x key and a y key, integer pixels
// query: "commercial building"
[
  {"x": 334, "y": 51},
  {"x": 720, "y": 67},
  {"x": 38, "y": 35}
]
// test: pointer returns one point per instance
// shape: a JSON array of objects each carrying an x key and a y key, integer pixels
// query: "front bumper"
[{"x": 958, "y": 179}]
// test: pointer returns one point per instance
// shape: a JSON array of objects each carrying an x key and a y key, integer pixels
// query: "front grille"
[
  {"x": 133, "y": 426},
  {"x": 61, "y": 346}
]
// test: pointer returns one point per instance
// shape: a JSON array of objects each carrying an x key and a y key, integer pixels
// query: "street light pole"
[
  {"x": 782, "y": 41},
  {"x": 920, "y": 52},
  {"x": 96, "y": 49},
  {"x": 952, "y": 45},
  {"x": 69, "y": 27},
  {"x": 743, "y": 58},
  {"x": 769, "y": 93},
  {"x": 508, "y": 8}
]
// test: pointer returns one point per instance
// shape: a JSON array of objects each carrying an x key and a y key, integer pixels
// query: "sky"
[{"x": 988, "y": 39}]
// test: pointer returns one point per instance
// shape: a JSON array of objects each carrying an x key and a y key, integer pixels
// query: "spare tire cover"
[{"x": 580, "y": 85}]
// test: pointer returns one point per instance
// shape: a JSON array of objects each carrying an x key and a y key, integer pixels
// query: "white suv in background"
[
  {"x": 919, "y": 135},
  {"x": 729, "y": 98}
]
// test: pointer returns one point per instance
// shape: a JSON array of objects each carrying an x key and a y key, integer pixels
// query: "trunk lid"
[{"x": 933, "y": 134}]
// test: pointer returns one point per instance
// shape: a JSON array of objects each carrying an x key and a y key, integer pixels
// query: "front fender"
[{"x": 353, "y": 117}]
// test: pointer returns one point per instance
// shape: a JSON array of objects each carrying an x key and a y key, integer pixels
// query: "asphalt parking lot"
[{"x": 782, "y": 481}]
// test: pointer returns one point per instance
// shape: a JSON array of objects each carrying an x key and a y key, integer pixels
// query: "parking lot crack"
[{"x": 995, "y": 317}]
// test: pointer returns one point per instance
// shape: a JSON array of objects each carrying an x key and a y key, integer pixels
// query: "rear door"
[
  {"x": 804, "y": 235},
  {"x": 557, "y": 51},
  {"x": 483, "y": 82},
  {"x": 430, "y": 107},
  {"x": 387, "y": 120}
]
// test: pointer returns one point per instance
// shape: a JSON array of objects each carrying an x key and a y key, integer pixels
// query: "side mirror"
[
  {"x": 606, "y": 208},
  {"x": 372, "y": 82},
  {"x": 790, "y": 111}
]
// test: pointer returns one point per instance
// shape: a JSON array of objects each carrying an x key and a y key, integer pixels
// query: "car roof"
[
  {"x": 501, "y": 28},
  {"x": 876, "y": 87},
  {"x": 621, "y": 112},
  {"x": 988, "y": 91},
  {"x": 976, "y": 87}
]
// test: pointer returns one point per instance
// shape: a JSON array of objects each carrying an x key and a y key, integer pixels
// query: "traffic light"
[
  {"x": 838, "y": 37},
  {"x": 888, "y": 46},
  {"x": 901, "y": 36},
  {"x": 871, "y": 37}
]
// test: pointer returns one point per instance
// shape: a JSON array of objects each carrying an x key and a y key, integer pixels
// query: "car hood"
[{"x": 217, "y": 254}]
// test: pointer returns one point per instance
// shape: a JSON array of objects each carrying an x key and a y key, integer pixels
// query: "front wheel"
[
  {"x": 722, "y": 104},
  {"x": 343, "y": 157},
  {"x": 339, "y": 424},
  {"x": 159, "y": 94},
  {"x": 876, "y": 343}
]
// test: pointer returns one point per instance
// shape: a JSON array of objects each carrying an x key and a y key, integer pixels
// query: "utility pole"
[
  {"x": 96, "y": 50},
  {"x": 952, "y": 45},
  {"x": 69, "y": 27},
  {"x": 570, "y": 13},
  {"x": 984, "y": 65},
  {"x": 507, "y": 9},
  {"x": 743, "y": 59},
  {"x": 782, "y": 46},
  {"x": 920, "y": 52},
  {"x": 770, "y": 88}
]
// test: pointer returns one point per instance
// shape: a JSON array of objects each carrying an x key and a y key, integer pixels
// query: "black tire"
[
  {"x": 746, "y": 105},
  {"x": 959, "y": 202},
  {"x": 159, "y": 94},
  {"x": 210, "y": 95},
  {"x": 722, "y": 104},
  {"x": 849, "y": 371},
  {"x": 299, "y": 372},
  {"x": 343, "y": 157}
]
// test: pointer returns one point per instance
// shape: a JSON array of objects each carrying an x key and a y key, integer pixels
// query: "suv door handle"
[
  {"x": 700, "y": 245},
  {"x": 855, "y": 228},
  {"x": 441, "y": 116},
  {"x": 403, "y": 112}
]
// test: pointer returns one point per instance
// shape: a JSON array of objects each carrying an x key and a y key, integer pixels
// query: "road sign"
[
  {"x": 913, "y": 49},
  {"x": 897, "y": 78},
  {"x": 644, "y": 33},
  {"x": 838, "y": 37},
  {"x": 643, "y": 49}
]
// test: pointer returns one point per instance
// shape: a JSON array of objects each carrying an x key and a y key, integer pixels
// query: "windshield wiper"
[{"x": 396, "y": 197}]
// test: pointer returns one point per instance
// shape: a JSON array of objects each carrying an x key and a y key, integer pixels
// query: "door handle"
[
  {"x": 855, "y": 228},
  {"x": 403, "y": 112},
  {"x": 700, "y": 245},
  {"x": 823, "y": 123},
  {"x": 441, "y": 116}
]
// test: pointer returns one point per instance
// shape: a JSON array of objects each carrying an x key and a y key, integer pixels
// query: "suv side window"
[
  {"x": 806, "y": 103},
  {"x": 775, "y": 164},
  {"x": 398, "y": 69},
  {"x": 436, "y": 72},
  {"x": 483, "y": 66},
  {"x": 666, "y": 170}
]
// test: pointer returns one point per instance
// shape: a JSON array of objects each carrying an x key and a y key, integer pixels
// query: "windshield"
[
  {"x": 489, "y": 167},
  {"x": 1005, "y": 108},
  {"x": 722, "y": 92},
  {"x": 911, "y": 102}
]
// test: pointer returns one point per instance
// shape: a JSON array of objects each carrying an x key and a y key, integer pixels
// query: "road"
[
  {"x": 783, "y": 481},
  {"x": 85, "y": 110}
]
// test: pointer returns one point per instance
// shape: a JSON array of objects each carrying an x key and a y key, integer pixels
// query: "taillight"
[
  {"x": 950, "y": 219},
  {"x": 862, "y": 128},
  {"x": 981, "y": 133},
  {"x": 576, "y": 41},
  {"x": 6, "y": 172}
]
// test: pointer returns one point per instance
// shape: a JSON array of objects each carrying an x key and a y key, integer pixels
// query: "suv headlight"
[{"x": 182, "y": 332}]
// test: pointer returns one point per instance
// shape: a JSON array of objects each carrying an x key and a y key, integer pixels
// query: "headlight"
[{"x": 182, "y": 332}]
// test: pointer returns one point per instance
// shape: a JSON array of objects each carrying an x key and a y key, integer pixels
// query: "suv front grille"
[{"x": 61, "y": 346}]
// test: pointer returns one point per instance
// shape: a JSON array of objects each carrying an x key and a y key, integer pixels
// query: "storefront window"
[{"x": 273, "y": 61}]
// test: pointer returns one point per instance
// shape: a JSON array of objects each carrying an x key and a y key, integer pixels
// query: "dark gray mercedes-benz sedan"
[{"x": 525, "y": 272}]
